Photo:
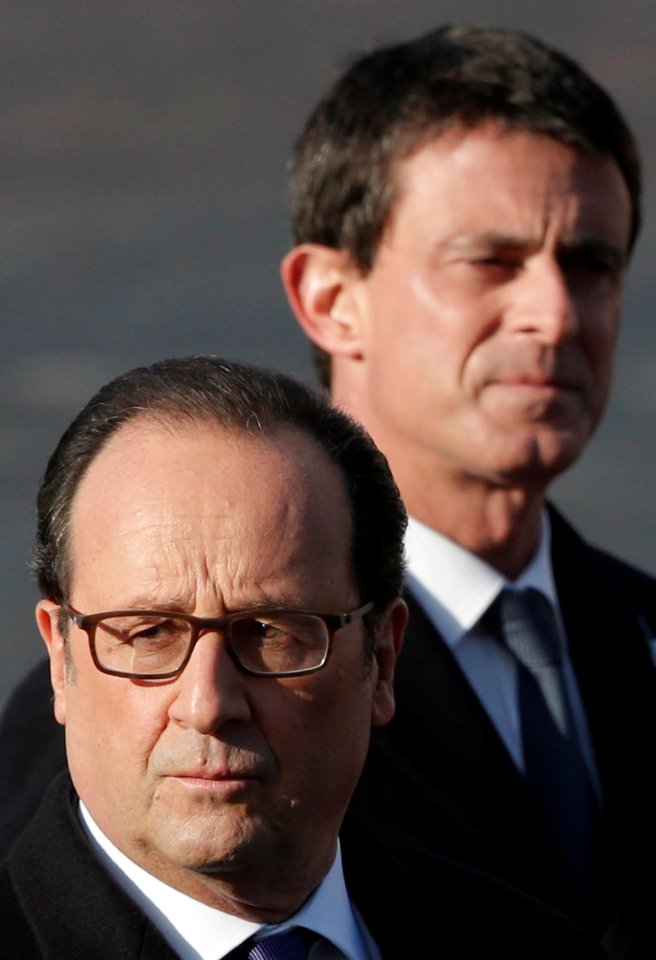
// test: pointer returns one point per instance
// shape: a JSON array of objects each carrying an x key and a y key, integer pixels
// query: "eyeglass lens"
[{"x": 146, "y": 644}]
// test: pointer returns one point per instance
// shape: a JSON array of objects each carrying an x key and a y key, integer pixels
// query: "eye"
[
  {"x": 156, "y": 631},
  {"x": 592, "y": 261},
  {"x": 141, "y": 633},
  {"x": 269, "y": 630},
  {"x": 485, "y": 266},
  {"x": 499, "y": 262},
  {"x": 600, "y": 266}
]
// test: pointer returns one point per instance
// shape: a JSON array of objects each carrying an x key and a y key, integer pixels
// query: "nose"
[
  {"x": 211, "y": 690},
  {"x": 543, "y": 304}
]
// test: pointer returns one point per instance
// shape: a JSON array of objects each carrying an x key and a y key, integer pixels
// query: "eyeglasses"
[{"x": 157, "y": 645}]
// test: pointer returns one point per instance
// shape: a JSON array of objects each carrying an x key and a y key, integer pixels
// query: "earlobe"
[
  {"x": 47, "y": 618},
  {"x": 320, "y": 283},
  {"x": 389, "y": 642}
]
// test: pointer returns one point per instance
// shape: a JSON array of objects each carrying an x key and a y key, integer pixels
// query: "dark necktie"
[
  {"x": 553, "y": 760},
  {"x": 293, "y": 945}
]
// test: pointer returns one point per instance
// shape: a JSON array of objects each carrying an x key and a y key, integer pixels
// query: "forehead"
[
  {"x": 498, "y": 172},
  {"x": 172, "y": 510}
]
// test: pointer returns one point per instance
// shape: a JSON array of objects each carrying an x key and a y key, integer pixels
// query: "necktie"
[
  {"x": 292, "y": 945},
  {"x": 553, "y": 760}
]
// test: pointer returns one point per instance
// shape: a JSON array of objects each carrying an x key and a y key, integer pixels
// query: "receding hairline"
[{"x": 281, "y": 436}]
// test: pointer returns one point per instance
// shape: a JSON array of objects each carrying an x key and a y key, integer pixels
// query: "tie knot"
[
  {"x": 292, "y": 945},
  {"x": 527, "y": 627}
]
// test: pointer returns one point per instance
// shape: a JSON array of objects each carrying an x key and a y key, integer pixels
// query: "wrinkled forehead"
[
  {"x": 459, "y": 163},
  {"x": 186, "y": 501}
]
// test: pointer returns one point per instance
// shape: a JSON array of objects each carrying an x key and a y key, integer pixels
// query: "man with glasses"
[{"x": 220, "y": 558}]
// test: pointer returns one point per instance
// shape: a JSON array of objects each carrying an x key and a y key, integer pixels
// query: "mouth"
[
  {"x": 539, "y": 381},
  {"x": 547, "y": 398},
  {"x": 220, "y": 783},
  {"x": 539, "y": 388},
  {"x": 215, "y": 775}
]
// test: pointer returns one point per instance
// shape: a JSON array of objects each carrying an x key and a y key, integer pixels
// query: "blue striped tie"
[
  {"x": 292, "y": 945},
  {"x": 553, "y": 761}
]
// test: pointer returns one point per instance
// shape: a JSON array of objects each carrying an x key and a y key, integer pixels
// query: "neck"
[
  {"x": 250, "y": 899},
  {"x": 262, "y": 889},
  {"x": 499, "y": 525},
  {"x": 493, "y": 518},
  {"x": 268, "y": 890}
]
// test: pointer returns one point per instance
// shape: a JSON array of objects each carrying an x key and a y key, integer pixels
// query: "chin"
[
  {"x": 540, "y": 469},
  {"x": 210, "y": 844}
]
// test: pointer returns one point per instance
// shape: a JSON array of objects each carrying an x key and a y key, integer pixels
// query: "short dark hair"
[
  {"x": 242, "y": 398},
  {"x": 394, "y": 100}
]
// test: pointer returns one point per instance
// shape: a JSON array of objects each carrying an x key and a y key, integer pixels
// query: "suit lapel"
[
  {"x": 605, "y": 617},
  {"x": 606, "y": 637},
  {"x": 442, "y": 759},
  {"x": 72, "y": 904},
  {"x": 438, "y": 706},
  {"x": 418, "y": 905}
]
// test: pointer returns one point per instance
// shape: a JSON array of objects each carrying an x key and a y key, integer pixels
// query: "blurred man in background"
[{"x": 464, "y": 206}]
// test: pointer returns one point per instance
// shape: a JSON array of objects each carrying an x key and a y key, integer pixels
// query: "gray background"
[{"x": 143, "y": 183}]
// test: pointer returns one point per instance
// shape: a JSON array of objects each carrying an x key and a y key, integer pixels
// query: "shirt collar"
[
  {"x": 456, "y": 587},
  {"x": 329, "y": 912},
  {"x": 188, "y": 923}
]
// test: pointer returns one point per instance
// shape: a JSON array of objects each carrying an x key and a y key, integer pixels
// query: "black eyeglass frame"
[{"x": 199, "y": 625}]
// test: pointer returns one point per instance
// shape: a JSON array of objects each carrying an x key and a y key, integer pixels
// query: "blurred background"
[{"x": 143, "y": 180}]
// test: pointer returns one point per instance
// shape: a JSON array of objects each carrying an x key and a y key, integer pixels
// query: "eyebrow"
[
  {"x": 148, "y": 602},
  {"x": 465, "y": 241},
  {"x": 178, "y": 605},
  {"x": 503, "y": 241},
  {"x": 598, "y": 248}
]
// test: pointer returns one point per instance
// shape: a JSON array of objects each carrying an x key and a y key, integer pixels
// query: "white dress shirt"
[
  {"x": 455, "y": 588},
  {"x": 199, "y": 932}
]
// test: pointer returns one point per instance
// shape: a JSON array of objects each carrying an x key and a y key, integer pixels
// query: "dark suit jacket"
[
  {"x": 32, "y": 752},
  {"x": 439, "y": 778},
  {"x": 58, "y": 902}
]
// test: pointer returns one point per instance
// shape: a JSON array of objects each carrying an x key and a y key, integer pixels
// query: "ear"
[
  {"x": 389, "y": 641},
  {"x": 47, "y": 619},
  {"x": 321, "y": 285}
]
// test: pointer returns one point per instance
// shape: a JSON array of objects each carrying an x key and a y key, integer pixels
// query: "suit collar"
[
  {"x": 71, "y": 903},
  {"x": 74, "y": 907}
]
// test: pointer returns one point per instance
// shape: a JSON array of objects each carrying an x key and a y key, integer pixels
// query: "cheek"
[
  {"x": 336, "y": 735},
  {"x": 324, "y": 727},
  {"x": 598, "y": 312},
  {"x": 112, "y": 728},
  {"x": 601, "y": 342},
  {"x": 598, "y": 343}
]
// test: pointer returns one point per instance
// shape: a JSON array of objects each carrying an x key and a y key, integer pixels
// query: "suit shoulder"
[
  {"x": 625, "y": 575},
  {"x": 630, "y": 587},
  {"x": 406, "y": 889},
  {"x": 32, "y": 752},
  {"x": 16, "y": 934},
  {"x": 626, "y": 593}
]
